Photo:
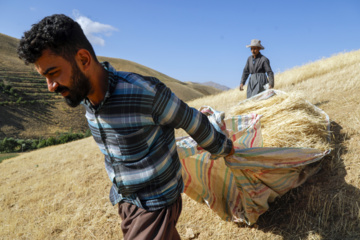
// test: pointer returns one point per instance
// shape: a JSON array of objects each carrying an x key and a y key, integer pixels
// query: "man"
[
  {"x": 256, "y": 65},
  {"x": 132, "y": 119}
]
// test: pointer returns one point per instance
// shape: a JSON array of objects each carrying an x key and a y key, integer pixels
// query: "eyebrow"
[{"x": 48, "y": 70}]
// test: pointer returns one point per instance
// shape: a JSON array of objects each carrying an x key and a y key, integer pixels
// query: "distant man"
[
  {"x": 256, "y": 66},
  {"x": 132, "y": 119}
]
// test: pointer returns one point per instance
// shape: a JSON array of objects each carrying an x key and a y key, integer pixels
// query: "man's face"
[
  {"x": 255, "y": 51},
  {"x": 63, "y": 77}
]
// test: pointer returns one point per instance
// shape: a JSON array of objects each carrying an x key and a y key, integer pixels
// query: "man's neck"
[
  {"x": 255, "y": 56},
  {"x": 100, "y": 84}
]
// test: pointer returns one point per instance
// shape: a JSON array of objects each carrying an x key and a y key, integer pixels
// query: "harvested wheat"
[{"x": 288, "y": 120}]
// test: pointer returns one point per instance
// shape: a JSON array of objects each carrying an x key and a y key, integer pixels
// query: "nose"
[{"x": 52, "y": 86}]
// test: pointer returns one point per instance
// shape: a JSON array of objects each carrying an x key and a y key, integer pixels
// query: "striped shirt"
[{"x": 134, "y": 128}]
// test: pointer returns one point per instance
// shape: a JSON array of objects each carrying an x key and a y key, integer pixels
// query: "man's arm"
[
  {"x": 169, "y": 110},
  {"x": 269, "y": 72},
  {"x": 245, "y": 75}
]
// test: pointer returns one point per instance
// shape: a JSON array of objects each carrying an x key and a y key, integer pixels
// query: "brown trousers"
[{"x": 139, "y": 224}]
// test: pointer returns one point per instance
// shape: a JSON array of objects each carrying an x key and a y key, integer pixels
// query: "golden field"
[{"x": 61, "y": 192}]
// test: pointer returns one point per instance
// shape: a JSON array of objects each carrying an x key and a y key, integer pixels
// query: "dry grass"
[
  {"x": 62, "y": 192},
  {"x": 58, "y": 192},
  {"x": 288, "y": 120},
  {"x": 310, "y": 72},
  {"x": 221, "y": 102}
]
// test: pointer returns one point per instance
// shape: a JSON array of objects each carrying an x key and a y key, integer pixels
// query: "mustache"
[{"x": 60, "y": 89}]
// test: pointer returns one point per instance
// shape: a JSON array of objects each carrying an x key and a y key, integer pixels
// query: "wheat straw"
[{"x": 288, "y": 121}]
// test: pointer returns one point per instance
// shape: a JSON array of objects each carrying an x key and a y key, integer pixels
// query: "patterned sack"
[{"x": 239, "y": 188}]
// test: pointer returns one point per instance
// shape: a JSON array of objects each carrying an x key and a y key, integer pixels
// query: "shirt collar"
[{"x": 111, "y": 86}]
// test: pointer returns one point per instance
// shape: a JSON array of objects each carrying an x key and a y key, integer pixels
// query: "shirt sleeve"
[
  {"x": 269, "y": 72},
  {"x": 171, "y": 111},
  {"x": 246, "y": 72}
]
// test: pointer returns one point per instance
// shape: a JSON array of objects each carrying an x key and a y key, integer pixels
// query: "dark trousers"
[{"x": 139, "y": 224}]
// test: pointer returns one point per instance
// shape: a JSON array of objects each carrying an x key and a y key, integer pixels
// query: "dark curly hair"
[{"x": 58, "y": 33}]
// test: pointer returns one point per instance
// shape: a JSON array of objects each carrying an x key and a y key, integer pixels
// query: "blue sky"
[{"x": 202, "y": 40}]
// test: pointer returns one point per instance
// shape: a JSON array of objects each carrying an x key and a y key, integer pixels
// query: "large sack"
[{"x": 240, "y": 187}]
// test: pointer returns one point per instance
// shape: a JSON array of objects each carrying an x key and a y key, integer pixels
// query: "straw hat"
[{"x": 255, "y": 43}]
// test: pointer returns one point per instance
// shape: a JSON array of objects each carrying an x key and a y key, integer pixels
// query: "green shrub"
[
  {"x": 34, "y": 144},
  {"x": 41, "y": 144},
  {"x": 87, "y": 133},
  {"x": 16, "y": 145},
  {"x": 27, "y": 145},
  {"x": 8, "y": 145},
  {"x": 51, "y": 141}
]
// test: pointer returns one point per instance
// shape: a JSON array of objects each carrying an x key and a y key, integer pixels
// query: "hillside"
[
  {"x": 216, "y": 85},
  {"x": 185, "y": 91},
  {"x": 61, "y": 192},
  {"x": 31, "y": 111}
]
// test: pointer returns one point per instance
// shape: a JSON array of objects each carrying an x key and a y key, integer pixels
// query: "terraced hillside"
[
  {"x": 27, "y": 86},
  {"x": 27, "y": 109}
]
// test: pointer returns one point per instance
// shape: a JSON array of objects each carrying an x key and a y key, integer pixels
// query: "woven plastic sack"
[{"x": 240, "y": 187}]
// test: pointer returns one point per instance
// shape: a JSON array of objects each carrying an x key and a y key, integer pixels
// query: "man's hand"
[{"x": 241, "y": 87}]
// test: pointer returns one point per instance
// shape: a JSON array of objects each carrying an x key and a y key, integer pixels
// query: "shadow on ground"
[
  {"x": 325, "y": 207},
  {"x": 14, "y": 118}
]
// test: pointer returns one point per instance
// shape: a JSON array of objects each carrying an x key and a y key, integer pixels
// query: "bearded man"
[{"x": 132, "y": 119}]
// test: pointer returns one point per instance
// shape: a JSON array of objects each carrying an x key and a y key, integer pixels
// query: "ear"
[{"x": 83, "y": 59}]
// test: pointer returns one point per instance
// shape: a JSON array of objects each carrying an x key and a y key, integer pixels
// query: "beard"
[{"x": 79, "y": 89}]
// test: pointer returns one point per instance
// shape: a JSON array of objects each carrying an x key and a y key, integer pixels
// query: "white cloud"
[{"x": 94, "y": 31}]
